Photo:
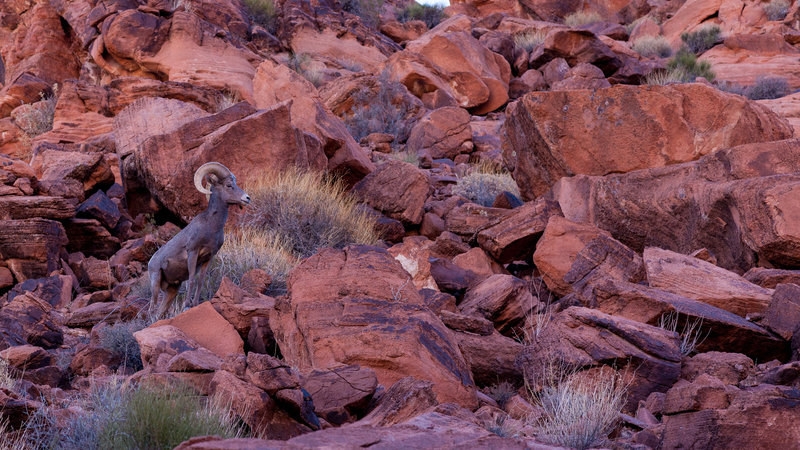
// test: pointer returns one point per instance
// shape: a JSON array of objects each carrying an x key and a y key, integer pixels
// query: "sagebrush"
[
  {"x": 37, "y": 118},
  {"x": 118, "y": 339},
  {"x": 766, "y": 88},
  {"x": 702, "y": 39},
  {"x": 776, "y": 9},
  {"x": 686, "y": 64}
]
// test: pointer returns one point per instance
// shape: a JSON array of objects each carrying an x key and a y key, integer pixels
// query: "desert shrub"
[
  {"x": 581, "y": 18},
  {"x": 351, "y": 65},
  {"x": 702, "y": 39},
  {"x": 264, "y": 13},
  {"x": 227, "y": 99},
  {"x": 37, "y": 118},
  {"x": 380, "y": 111},
  {"x": 407, "y": 156},
  {"x": 302, "y": 64},
  {"x": 307, "y": 211},
  {"x": 676, "y": 75},
  {"x": 482, "y": 185},
  {"x": 733, "y": 88},
  {"x": 776, "y": 9},
  {"x": 118, "y": 339},
  {"x": 685, "y": 64},
  {"x": 649, "y": 46},
  {"x": 768, "y": 88},
  {"x": 160, "y": 416},
  {"x": 691, "y": 333},
  {"x": 368, "y": 10},
  {"x": 577, "y": 411},
  {"x": 10, "y": 439},
  {"x": 246, "y": 249},
  {"x": 503, "y": 426},
  {"x": 430, "y": 14},
  {"x": 501, "y": 392},
  {"x": 7, "y": 381},
  {"x": 530, "y": 39}
]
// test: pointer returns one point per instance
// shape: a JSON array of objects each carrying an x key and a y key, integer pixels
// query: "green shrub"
[
  {"x": 581, "y": 18},
  {"x": 702, "y": 39},
  {"x": 685, "y": 63},
  {"x": 767, "y": 88},
  {"x": 430, "y": 14},
  {"x": 381, "y": 110},
  {"x": 530, "y": 39},
  {"x": 776, "y": 9},
  {"x": 307, "y": 211},
  {"x": 368, "y": 10},
  {"x": 118, "y": 339},
  {"x": 244, "y": 250},
  {"x": 482, "y": 186},
  {"x": 156, "y": 416},
  {"x": 264, "y": 13},
  {"x": 650, "y": 46}
]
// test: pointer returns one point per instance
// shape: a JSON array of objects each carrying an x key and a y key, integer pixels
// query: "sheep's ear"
[{"x": 212, "y": 178}]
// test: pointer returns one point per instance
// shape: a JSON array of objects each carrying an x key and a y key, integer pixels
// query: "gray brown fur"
[{"x": 187, "y": 255}]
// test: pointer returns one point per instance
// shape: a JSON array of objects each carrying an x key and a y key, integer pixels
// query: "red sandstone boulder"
[
  {"x": 396, "y": 189},
  {"x": 442, "y": 133},
  {"x": 576, "y": 47},
  {"x": 515, "y": 234},
  {"x": 341, "y": 394},
  {"x": 367, "y": 289},
  {"x": 582, "y": 76},
  {"x": 705, "y": 282},
  {"x": 31, "y": 247},
  {"x": 549, "y": 135},
  {"x": 716, "y": 202},
  {"x": 208, "y": 328},
  {"x": 504, "y": 299}
]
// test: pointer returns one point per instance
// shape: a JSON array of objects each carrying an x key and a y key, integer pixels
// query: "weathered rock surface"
[
  {"x": 441, "y": 133},
  {"x": 354, "y": 306},
  {"x": 397, "y": 189},
  {"x": 715, "y": 203},
  {"x": 549, "y": 135},
  {"x": 31, "y": 247}
]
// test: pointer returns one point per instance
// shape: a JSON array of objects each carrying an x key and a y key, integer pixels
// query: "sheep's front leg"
[
  {"x": 191, "y": 261},
  {"x": 201, "y": 276}
]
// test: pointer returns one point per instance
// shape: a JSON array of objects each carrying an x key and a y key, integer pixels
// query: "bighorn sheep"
[{"x": 187, "y": 255}]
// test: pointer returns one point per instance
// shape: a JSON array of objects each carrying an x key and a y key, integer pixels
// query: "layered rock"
[
  {"x": 549, "y": 135},
  {"x": 333, "y": 316},
  {"x": 716, "y": 202}
]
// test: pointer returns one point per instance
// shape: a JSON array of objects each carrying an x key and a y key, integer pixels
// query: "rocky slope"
[{"x": 654, "y": 238}]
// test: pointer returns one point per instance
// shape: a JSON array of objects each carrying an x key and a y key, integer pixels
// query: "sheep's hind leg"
[
  {"x": 172, "y": 292},
  {"x": 198, "y": 283},
  {"x": 155, "y": 289}
]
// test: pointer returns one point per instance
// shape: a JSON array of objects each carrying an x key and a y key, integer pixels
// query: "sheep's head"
[{"x": 214, "y": 177}]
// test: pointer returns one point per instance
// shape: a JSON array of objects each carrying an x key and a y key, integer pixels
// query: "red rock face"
[
  {"x": 688, "y": 206},
  {"x": 388, "y": 327},
  {"x": 583, "y": 132}
]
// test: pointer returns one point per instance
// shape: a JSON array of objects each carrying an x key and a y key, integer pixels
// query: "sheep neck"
[{"x": 217, "y": 211}]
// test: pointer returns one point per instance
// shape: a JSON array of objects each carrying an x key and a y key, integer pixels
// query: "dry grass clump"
[
  {"x": 501, "y": 392},
  {"x": 530, "y": 39},
  {"x": 264, "y": 13},
  {"x": 381, "y": 111},
  {"x": 37, "y": 118},
  {"x": 483, "y": 184},
  {"x": 581, "y": 18},
  {"x": 303, "y": 65},
  {"x": 307, "y": 211},
  {"x": 6, "y": 380},
  {"x": 666, "y": 77},
  {"x": 702, "y": 39},
  {"x": 691, "y": 333},
  {"x": 682, "y": 68},
  {"x": 246, "y": 249},
  {"x": 776, "y": 9},
  {"x": 650, "y": 46},
  {"x": 576, "y": 411}
]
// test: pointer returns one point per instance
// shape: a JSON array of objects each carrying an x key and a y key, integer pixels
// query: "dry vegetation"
[
  {"x": 581, "y": 18},
  {"x": 691, "y": 332},
  {"x": 651, "y": 46},
  {"x": 483, "y": 184},
  {"x": 530, "y": 39}
]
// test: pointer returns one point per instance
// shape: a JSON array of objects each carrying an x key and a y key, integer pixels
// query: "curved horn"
[{"x": 210, "y": 167}]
